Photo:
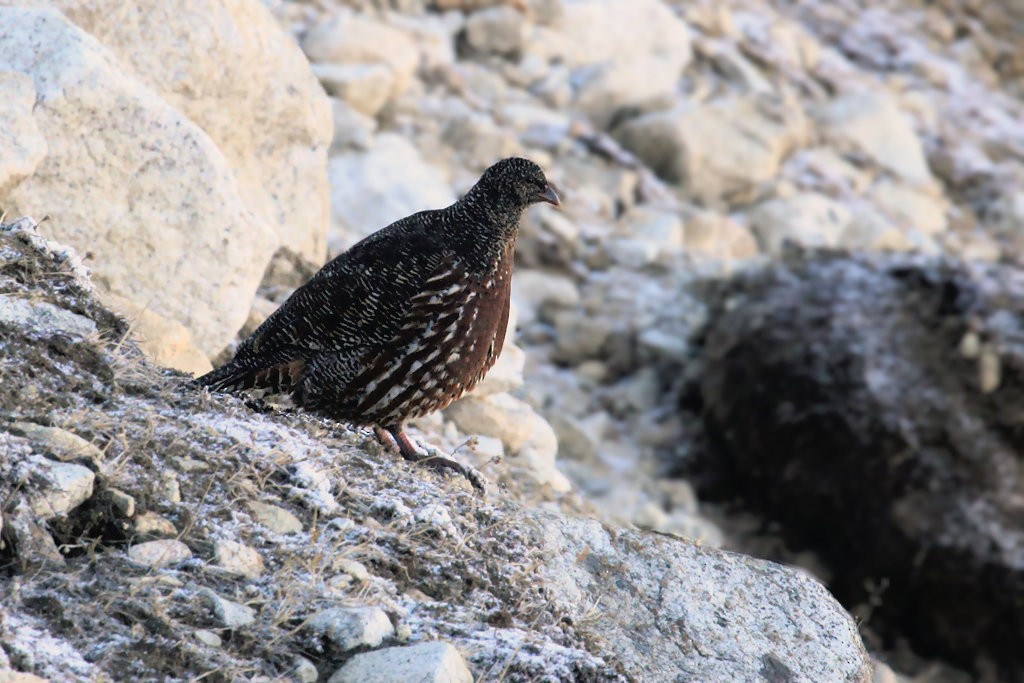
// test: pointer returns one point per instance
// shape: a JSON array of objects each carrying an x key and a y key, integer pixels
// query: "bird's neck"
[{"x": 483, "y": 231}]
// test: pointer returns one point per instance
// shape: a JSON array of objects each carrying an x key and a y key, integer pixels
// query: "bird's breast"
[
  {"x": 474, "y": 334},
  {"x": 443, "y": 349}
]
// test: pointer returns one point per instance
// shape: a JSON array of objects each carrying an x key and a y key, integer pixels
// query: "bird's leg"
[{"x": 427, "y": 456}]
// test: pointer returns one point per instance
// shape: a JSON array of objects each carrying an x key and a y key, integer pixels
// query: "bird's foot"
[
  {"x": 433, "y": 458},
  {"x": 429, "y": 457},
  {"x": 257, "y": 404}
]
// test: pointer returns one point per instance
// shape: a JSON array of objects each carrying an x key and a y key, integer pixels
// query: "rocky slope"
[{"x": 151, "y": 531}]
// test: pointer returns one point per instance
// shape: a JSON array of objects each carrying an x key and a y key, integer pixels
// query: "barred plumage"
[{"x": 405, "y": 321}]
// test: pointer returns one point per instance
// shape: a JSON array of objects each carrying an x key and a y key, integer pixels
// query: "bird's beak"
[{"x": 549, "y": 195}]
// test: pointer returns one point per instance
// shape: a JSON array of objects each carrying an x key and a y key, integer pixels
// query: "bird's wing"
[
  {"x": 358, "y": 385},
  {"x": 356, "y": 304}
]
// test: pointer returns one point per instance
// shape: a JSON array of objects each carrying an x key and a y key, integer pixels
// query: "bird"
[{"x": 404, "y": 322}]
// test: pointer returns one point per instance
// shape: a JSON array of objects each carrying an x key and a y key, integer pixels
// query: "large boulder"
[
  {"x": 625, "y": 54},
  {"x": 609, "y": 30},
  {"x": 874, "y": 126},
  {"x": 135, "y": 183},
  {"x": 374, "y": 188},
  {"x": 355, "y": 39},
  {"x": 670, "y": 610},
  {"x": 873, "y": 407},
  {"x": 719, "y": 151},
  {"x": 22, "y": 146},
  {"x": 233, "y": 72}
]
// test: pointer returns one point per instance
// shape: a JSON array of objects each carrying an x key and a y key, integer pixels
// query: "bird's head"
[{"x": 516, "y": 183}]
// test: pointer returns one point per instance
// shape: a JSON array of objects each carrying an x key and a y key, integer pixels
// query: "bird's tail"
[
  {"x": 228, "y": 378},
  {"x": 275, "y": 379}
]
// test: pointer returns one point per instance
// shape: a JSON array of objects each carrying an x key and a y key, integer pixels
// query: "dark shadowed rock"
[{"x": 875, "y": 408}]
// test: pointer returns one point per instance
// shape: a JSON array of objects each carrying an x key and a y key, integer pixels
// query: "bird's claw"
[
  {"x": 442, "y": 462},
  {"x": 414, "y": 452}
]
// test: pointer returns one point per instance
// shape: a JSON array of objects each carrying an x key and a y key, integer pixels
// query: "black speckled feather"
[{"x": 405, "y": 321}]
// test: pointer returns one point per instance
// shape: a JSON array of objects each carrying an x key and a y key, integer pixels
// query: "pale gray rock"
[
  {"x": 1007, "y": 212},
  {"x": 807, "y": 219},
  {"x": 229, "y": 613},
  {"x": 872, "y": 124},
  {"x": 164, "y": 340},
  {"x": 168, "y": 192},
  {"x": 377, "y": 187},
  {"x": 170, "y": 487},
  {"x": 247, "y": 84},
  {"x": 60, "y": 486},
  {"x": 664, "y": 345},
  {"x": 35, "y": 543},
  {"x": 580, "y": 337},
  {"x": 564, "y": 228},
  {"x": 208, "y": 638},
  {"x": 366, "y": 87},
  {"x": 353, "y": 130},
  {"x": 536, "y": 126},
  {"x": 525, "y": 434},
  {"x": 719, "y": 151},
  {"x": 482, "y": 85},
  {"x": 708, "y": 234},
  {"x": 619, "y": 30},
  {"x": 506, "y": 374},
  {"x": 43, "y": 317},
  {"x": 632, "y": 253},
  {"x": 663, "y": 230},
  {"x": 123, "y": 502},
  {"x": 434, "y": 35},
  {"x": 579, "y": 439},
  {"x": 275, "y": 518},
  {"x": 58, "y": 442},
  {"x": 499, "y": 415},
  {"x": 160, "y": 553},
  {"x": 538, "y": 461},
  {"x": 11, "y": 676},
  {"x": 348, "y": 38},
  {"x": 729, "y": 61},
  {"x": 720, "y": 616},
  {"x": 357, "y": 570},
  {"x": 153, "y": 524},
  {"x": 870, "y": 229},
  {"x": 238, "y": 558},
  {"x": 975, "y": 246},
  {"x": 640, "y": 84},
  {"x": 554, "y": 88},
  {"x": 535, "y": 291},
  {"x": 22, "y": 145},
  {"x": 825, "y": 170},
  {"x": 479, "y": 140},
  {"x": 681, "y": 524},
  {"x": 498, "y": 30},
  {"x": 305, "y": 670},
  {"x": 641, "y": 392},
  {"x": 352, "y": 627},
  {"x": 435, "y": 662},
  {"x": 918, "y": 210},
  {"x": 624, "y": 53},
  {"x": 488, "y": 448}
]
